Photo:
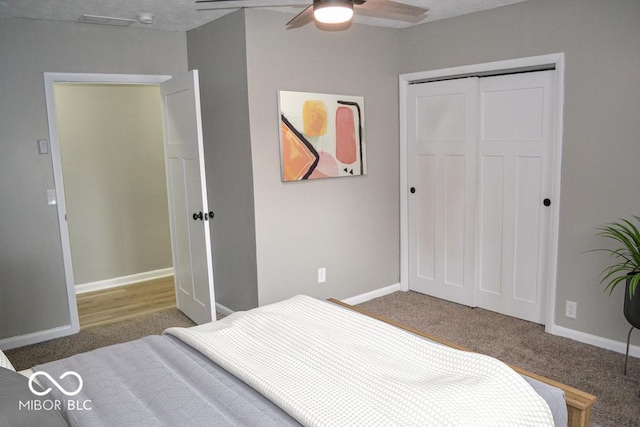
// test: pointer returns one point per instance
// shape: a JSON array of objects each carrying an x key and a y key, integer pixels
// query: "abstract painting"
[{"x": 321, "y": 135}]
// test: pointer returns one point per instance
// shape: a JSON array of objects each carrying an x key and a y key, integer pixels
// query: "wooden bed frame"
[{"x": 579, "y": 403}]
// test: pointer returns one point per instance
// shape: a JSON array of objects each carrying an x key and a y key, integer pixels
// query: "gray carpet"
[
  {"x": 92, "y": 338},
  {"x": 513, "y": 341}
]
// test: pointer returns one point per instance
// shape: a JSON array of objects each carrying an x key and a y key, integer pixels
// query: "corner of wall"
[{"x": 218, "y": 51}]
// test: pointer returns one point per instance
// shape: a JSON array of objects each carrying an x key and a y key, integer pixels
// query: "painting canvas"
[{"x": 321, "y": 135}]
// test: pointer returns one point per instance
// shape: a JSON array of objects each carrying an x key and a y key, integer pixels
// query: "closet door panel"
[{"x": 442, "y": 149}]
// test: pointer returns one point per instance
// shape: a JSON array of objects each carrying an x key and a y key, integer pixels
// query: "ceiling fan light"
[{"x": 332, "y": 12}]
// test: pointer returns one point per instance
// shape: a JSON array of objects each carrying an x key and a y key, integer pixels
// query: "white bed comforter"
[
  {"x": 4, "y": 362},
  {"x": 328, "y": 366}
]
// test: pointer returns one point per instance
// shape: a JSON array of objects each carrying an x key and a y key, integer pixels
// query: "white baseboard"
[
  {"x": 36, "y": 337},
  {"x": 606, "y": 343},
  {"x": 377, "y": 293},
  {"x": 223, "y": 310},
  {"x": 123, "y": 280}
]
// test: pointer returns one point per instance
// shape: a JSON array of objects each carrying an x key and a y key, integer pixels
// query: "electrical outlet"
[
  {"x": 322, "y": 275},
  {"x": 571, "y": 309}
]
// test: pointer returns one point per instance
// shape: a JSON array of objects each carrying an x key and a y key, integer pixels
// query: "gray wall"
[
  {"x": 33, "y": 295},
  {"x": 601, "y": 126},
  {"x": 218, "y": 51},
  {"x": 111, "y": 145},
  {"x": 348, "y": 225}
]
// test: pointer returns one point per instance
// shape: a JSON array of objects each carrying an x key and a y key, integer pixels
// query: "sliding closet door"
[
  {"x": 442, "y": 156},
  {"x": 515, "y": 149},
  {"x": 480, "y": 176}
]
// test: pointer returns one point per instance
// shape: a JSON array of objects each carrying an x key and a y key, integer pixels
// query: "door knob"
[
  {"x": 412, "y": 189},
  {"x": 206, "y": 216},
  {"x": 546, "y": 202}
]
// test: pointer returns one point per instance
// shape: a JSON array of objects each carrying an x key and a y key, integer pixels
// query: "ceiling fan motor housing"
[{"x": 333, "y": 11}]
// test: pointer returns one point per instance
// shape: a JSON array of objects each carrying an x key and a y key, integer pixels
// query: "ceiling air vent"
[{"x": 105, "y": 20}]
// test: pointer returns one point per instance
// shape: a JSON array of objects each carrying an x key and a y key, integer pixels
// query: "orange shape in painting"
[
  {"x": 296, "y": 158},
  {"x": 345, "y": 136},
  {"x": 314, "y": 117}
]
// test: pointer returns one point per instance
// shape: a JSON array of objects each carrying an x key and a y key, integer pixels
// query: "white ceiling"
[{"x": 183, "y": 15}]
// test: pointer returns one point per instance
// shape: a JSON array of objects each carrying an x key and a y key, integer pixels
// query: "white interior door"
[
  {"x": 442, "y": 155},
  {"x": 515, "y": 150},
  {"x": 187, "y": 193}
]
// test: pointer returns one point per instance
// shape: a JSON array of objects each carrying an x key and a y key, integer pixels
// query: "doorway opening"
[
  {"x": 189, "y": 214},
  {"x": 108, "y": 159}
]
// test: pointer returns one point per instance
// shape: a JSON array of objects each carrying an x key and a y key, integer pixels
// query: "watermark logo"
[
  {"x": 55, "y": 404},
  {"x": 50, "y": 378}
]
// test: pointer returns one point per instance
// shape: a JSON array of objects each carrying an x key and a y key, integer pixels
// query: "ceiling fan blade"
[
  {"x": 389, "y": 6},
  {"x": 385, "y": 9},
  {"x": 374, "y": 13},
  {"x": 301, "y": 19},
  {"x": 261, "y": 6}
]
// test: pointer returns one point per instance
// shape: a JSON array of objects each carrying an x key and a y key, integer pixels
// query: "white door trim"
[
  {"x": 555, "y": 61},
  {"x": 50, "y": 79}
]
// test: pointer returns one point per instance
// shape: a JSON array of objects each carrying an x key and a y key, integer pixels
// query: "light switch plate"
[
  {"x": 51, "y": 198},
  {"x": 43, "y": 147}
]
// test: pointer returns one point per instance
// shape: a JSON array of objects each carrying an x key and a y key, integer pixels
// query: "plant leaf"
[
  {"x": 627, "y": 256},
  {"x": 634, "y": 239},
  {"x": 611, "y": 286},
  {"x": 633, "y": 285}
]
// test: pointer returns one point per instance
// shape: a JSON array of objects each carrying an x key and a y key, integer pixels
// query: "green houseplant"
[
  {"x": 625, "y": 268},
  {"x": 626, "y": 256}
]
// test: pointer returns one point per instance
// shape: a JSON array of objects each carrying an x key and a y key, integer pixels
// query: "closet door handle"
[
  {"x": 546, "y": 202},
  {"x": 412, "y": 189},
  {"x": 197, "y": 216}
]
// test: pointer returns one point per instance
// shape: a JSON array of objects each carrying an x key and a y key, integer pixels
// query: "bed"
[{"x": 303, "y": 361}]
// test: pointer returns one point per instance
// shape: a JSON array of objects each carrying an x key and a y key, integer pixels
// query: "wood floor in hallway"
[{"x": 113, "y": 305}]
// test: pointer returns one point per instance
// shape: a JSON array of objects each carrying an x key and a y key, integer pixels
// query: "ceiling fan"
[{"x": 328, "y": 13}]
